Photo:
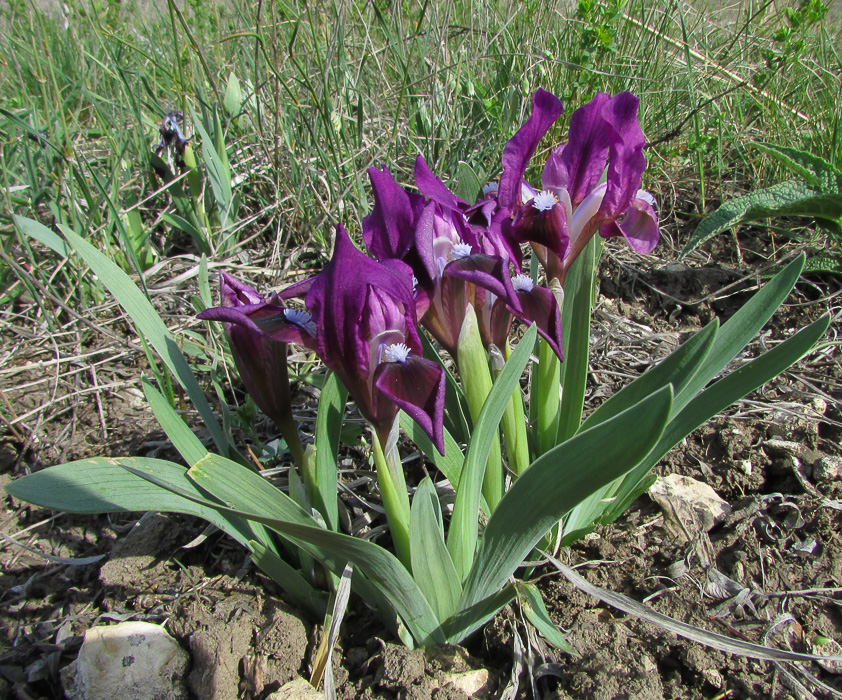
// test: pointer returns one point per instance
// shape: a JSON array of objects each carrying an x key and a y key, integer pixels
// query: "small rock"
[
  {"x": 127, "y": 661},
  {"x": 689, "y": 506},
  {"x": 298, "y": 689},
  {"x": 806, "y": 548},
  {"x": 714, "y": 677},
  {"x": 828, "y": 647},
  {"x": 827, "y": 469},
  {"x": 472, "y": 683},
  {"x": 745, "y": 466}
]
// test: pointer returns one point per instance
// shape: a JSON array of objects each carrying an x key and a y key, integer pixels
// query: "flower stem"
[
  {"x": 546, "y": 380},
  {"x": 392, "y": 485},
  {"x": 514, "y": 429},
  {"x": 476, "y": 379},
  {"x": 289, "y": 430}
]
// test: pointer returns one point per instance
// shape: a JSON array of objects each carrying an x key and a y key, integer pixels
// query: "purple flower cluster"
[{"x": 434, "y": 253}]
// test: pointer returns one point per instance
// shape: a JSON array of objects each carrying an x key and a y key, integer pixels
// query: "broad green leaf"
[
  {"x": 103, "y": 485},
  {"x": 290, "y": 579},
  {"x": 470, "y": 619},
  {"x": 449, "y": 464},
  {"x": 241, "y": 488},
  {"x": 328, "y": 430},
  {"x": 738, "y": 331},
  {"x": 204, "y": 284},
  {"x": 220, "y": 178},
  {"x": 555, "y": 483},
  {"x": 233, "y": 100},
  {"x": 693, "y": 365},
  {"x": 576, "y": 332},
  {"x": 464, "y": 526},
  {"x": 678, "y": 368},
  {"x": 179, "y": 433},
  {"x": 42, "y": 234},
  {"x": 815, "y": 171},
  {"x": 723, "y": 393},
  {"x": 472, "y": 359},
  {"x": 536, "y": 613},
  {"x": 432, "y": 567},
  {"x": 150, "y": 325},
  {"x": 790, "y": 198},
  {"x": 380, "y": 567}
]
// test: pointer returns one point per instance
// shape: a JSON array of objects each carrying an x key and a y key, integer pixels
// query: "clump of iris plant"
[{"x": 455, "y": 270}]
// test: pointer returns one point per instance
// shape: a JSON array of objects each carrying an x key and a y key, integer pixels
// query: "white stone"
[
  {"x": 827, "y": 469},
  {"x": 689, "y": 506},
  {"x": 127, "y": 661},
  {"x": 299, "y": 689},
  {"x": 472, "y": 683}
]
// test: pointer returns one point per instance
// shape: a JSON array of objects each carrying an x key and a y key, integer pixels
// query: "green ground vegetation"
[{"x": 287, "y": 104}]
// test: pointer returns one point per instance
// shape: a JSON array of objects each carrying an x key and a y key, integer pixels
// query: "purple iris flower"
[
  {"x": 573, "y": 205},
  {"x": 497, "y": 296},
  {"x": 258, "y": 331},
  {"x": 443, "y": 250},
  {"x": 364, "y": 312}
]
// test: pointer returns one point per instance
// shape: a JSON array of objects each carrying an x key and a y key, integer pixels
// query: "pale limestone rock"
[
  {"x": 127, "y": 661},
  {"x": 472, "y": 683},
  {"x": 689, "y": 506},
  {"x": 299, "y": 689},
  {"x": 827, "y": 469}
]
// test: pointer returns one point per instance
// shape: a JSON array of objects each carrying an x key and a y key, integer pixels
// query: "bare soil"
[{"x": 776, "y": 559}]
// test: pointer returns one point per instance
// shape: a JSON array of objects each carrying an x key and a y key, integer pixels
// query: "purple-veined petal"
[
  {"x": 446, "y": 312},
  {"x": 233, "y": 292},
  {"x": 498, "y": 239},
  {"x": 275, "y": 323},
  {"x": 336, "y": 298},
  {"x": 539, "y": 306},
  {"x": 639, "y": 226},
  {"x": 578, "y": 165},
  {"x": 431, "y": 186},
  {"x": 388, "y": 230},
  {"x": 490, "y": 272},
  {"x": 262, "y": 364},
  {"x": 425, "y": 234},
  {"x": 297, "y": 290},
  {"x": 546, "y": 108},
  {"x": 544, "y": 222},
  {"x": 417, "y": 387},
  {"x": 626, "y": 161},
  {"x": 481, "y": 213}
]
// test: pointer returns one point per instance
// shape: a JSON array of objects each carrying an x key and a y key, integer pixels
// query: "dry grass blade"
[
  {"x": 696, "y": 634},
  {"x": 65, "y": 561},
  {"x": 322, "y": 666}
]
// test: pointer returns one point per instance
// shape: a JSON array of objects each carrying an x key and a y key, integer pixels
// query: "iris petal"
[
  {"x": 417, "y": 387},
  {"x": 546, "y": 108}
]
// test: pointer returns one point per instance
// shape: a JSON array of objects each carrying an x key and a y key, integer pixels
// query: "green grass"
[{"x": 330, "y": 89}]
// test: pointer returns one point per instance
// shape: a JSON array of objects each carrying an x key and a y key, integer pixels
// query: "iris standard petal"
[
  {"x": 578, "y": 165},
  {"x": 626, "y": 161},
  {"x": 388, "y": 230},
  {"x": 431, "y": 186},
  {"x": 546, "y": 108}
]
